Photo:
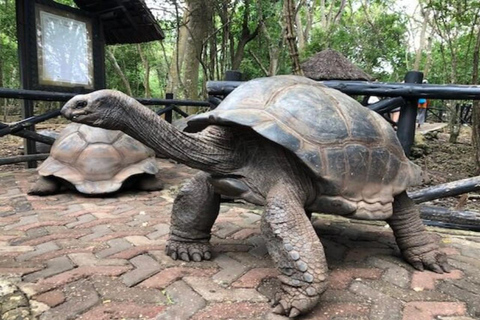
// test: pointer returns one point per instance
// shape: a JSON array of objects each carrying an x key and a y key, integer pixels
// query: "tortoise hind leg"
[
  {"x": 416, "y": 245},
  {"x": 45, "y": 186},
  {"x": 148, "y": 182}
]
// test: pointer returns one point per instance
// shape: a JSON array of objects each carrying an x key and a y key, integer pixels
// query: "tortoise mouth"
[{"x": 74, "y": 114}]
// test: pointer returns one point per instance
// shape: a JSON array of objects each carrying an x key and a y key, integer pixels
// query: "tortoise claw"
[
  {"x": 294, "y": 312},
  {"x": 278, "y": 309},
  {"x": 188, "y": 251}
]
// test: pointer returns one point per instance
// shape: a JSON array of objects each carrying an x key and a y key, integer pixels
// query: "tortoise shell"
[
  {"x": 96, "y": 160},
  {"x": 352, "y": 151}
]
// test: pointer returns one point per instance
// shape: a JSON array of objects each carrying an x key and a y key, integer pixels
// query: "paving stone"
[
  {"x": 427, "y": 310},
  {"x": 238, "y": 310},
  {"x": 348, "y": 245},
  {"x": 186, "y": 302},
  {"x": 408, "y": 294},
  {"x": 231, "y": 269},
  {"x": 136, "y": 251},
  {"x": 54, "y": 266},
  {"x": 51, "y": 298},
  {"x": 117, "y": 310},
  {"x": 250, "y": 218},
  {"x": 465, "y": 291},
  {"x": 336, "y": 311},
  {"x": 170, "y": 275},
  {"x": 260, "y": 249},
  {"x": 89, "y": 259},
  {"x": 384, "y": 307},
  {"x": 98, "y": 231},
  {"x": 471, "y": 271},
  {"x": 254, "y": 276},
  {"x": 245, "y": 233},
  {"x": 145, "y": 266},
  {"x": 246, "y": 258},
  {"x": 454, "y": 318},
  {"x": 64, "y": 278},
  {"x": 4, "y": 250},
  {"x": 162, "y": 229},
  {"x": 37, "y": 232},
  {"x": 46, "y": 237},
  {"x": 426, "y": 279},
  {"x": 40, "y": 249},
  {"x": 212, "y": 292},
  {"x": 140, "y": 241},
  {"x": 223, "y": 230},
  {"x": 116, "y": 245},
  {"x": 81, "y": 220},
  {"x": 81, "y": 296},
  {"x": 113, "y": 289},
  {"x": 341, "y": 278},
  {"x": 23, "y": 221}
]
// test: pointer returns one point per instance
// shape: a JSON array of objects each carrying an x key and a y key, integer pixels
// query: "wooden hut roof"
[
  {"x": 124, "y": 21},
  {"x": 332, "y": 65}
]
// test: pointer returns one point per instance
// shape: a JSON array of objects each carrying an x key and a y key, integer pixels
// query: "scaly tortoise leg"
[
  {"x": 296, "y": 250},
  {"x": 416, "y": 245},
  {"x": 195, "y": 209}
]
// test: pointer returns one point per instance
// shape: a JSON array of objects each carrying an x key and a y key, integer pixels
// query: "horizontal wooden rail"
[
  {"x": 380, "y": 89},
  {"x": 60, "y": 96}
]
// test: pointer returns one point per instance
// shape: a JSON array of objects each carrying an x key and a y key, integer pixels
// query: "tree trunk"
[
  {"x": 428, "y": 63},
  {"x": 421, "y": 46},
  {"x": 454, "y": 121},
  {"x": 146, "y": 76},
  {"x": 245, "y": 38},
  {"x": 199, "y": 20},
  {"x": 476, "y": 105},
  {"x": 119, "y": 71},
  {"x": 174, "y": 82},
  {"x": 290, "y": 35}
]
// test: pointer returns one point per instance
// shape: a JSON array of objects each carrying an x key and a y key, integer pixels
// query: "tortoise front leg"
[
  {"x": 416, "y": 245},
  {"x": 45, "y": 186},
  {"x": 296, "y": 250},
  {"x": 195, "y": 209}
]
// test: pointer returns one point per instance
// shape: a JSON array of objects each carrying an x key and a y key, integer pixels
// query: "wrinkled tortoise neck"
[{"x": 211, "y": 150}]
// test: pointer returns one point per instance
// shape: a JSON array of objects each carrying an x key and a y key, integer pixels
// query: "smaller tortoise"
[{"x": 96, "y": 161}]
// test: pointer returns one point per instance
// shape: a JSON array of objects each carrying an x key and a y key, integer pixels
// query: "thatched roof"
[
  {"x": 124, "y": 21},
  {"x": 332, "y": 65}
]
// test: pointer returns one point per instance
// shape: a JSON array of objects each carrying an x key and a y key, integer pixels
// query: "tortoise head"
[{"x": 103, "y": 108}]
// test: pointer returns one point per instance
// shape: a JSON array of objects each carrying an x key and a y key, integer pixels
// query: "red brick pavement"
[{"x": 72, "y": 257}]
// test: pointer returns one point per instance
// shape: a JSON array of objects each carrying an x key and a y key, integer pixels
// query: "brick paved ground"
[{"x": 74, "y": 257}]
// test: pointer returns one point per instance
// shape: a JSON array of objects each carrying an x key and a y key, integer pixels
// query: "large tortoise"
[
  {"x": 294, "y": 146},
  {"x": 96, "y": 161}
]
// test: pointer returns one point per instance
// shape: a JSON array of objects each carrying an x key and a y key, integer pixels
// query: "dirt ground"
[{"x": 443, "y": 161}]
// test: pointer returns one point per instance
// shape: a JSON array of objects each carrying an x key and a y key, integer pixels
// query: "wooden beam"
[{"x": 449, "y": 189}]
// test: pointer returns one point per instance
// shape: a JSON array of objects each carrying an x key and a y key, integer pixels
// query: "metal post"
[
  {"x": 408, "y": 115},
  {"x": 168, "y": 114}
]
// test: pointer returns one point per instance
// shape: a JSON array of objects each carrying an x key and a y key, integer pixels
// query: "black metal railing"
[{"x": 23, "y": 128}]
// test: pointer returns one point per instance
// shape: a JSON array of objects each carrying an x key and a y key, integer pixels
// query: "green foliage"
[
  {"x": 9, "y": 65},
  {"x": 374, "y": 41},
  {"x": 372, "y": 34}
]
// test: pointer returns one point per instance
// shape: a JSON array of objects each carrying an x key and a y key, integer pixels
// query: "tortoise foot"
[
  {"x": 188, "y": 250},
  {"x": 44, "y": 186},
  {"x": 427, "y": 258},
  {"x": 295, "y": 301}
]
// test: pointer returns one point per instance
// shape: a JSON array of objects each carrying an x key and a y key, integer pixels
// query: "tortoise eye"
[{"x": 81, "y": 104}]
